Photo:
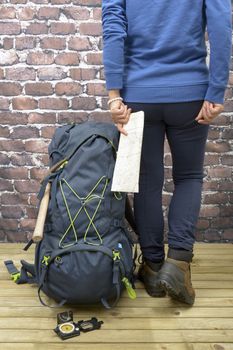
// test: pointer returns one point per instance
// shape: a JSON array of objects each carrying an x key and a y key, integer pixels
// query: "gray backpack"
[{"x": 86, "y": 254}]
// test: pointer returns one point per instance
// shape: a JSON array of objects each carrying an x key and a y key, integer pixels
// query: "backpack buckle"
[
  {"x": 116, "y": 254},
  {"x": 45, "y": 260}
]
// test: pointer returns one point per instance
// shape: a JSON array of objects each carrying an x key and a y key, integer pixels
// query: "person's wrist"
[{"x": 118, "y": 98}]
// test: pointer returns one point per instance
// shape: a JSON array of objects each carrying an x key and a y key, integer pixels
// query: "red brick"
[
  {"x": 225, "y": 186},
  {"x": 219, "y": 172},
  {"x": 94, "y": 58},
  {"x": 62, "y": 28},
  {"x": 4, "y": 131},
  {"x": 212, "y": 235},
  {"x": 38, "y": 146},
  {"x": 82, "y": 73},
  {"x": 13, "y": 173},
  {"x": 100, "y": 116},
  {"x": 4, "y": 103},
  {"x": 209, "y": 211},
  {"x": 228, "y": 234},
  {"x": 53, "y": 43},
  {"x": 10, "y": 89},
  {"x": 60, "y": 2},
  {"x": 6, "y": 185},
  {"x": 97, "y": 14},
  {"x": 27, "y": 224},
  {"x": 9, "y": 224},
  {"x": 38, "y": 57},
  {"x": 26, "y": 13},
  {"x": 85, "y": 103},
  {"x": 16, "y": 236},
  {"x": 228, "y": 134},
  {"x": 4, "y": 159},
  {"x": 215, "y": 198},
  {"x": 90, "y": 3},
  {"x": 51, "y": 73},
  {"x": 37, "y": 28},
  {"x": 38, "y": 173},
  {"x": 33, "y": 200},
  {"x": 24, "y": 103},
  {"x": 11, "y": 145},
  {"x": 94, "y": 29},
  {"x": 31, "y": 212},
  {"x": 213, "y": 134},
  {"x": 1, "y": 73},
  {"x": 77, "y": 13},
  {"x": 48, "y": 13},
  {"x": 24, "y": 132},
  {"x": 20, "y": 73},
  {"x": 14, "y": 199},
  {"x": 7, "y": 13},
  {"x": 28, "y": 42},
  {"x": 217, "y": 147},
  {"x": 47, "y": 131},
  {"x": 79, "y": 44},
  {"x": 26, "y": 186},
  {"x": 53, "y": 103},
  {"x": 42, "y": 118},
  {"x": 68, "y": 89},
  {"x": 96, "y": 89},
  {"x": 21, "y": 159},
  {"x": 210, "y": 185},
  {"x": 228, "y": 106},
  {"x": 67, "y": 58},
  {"x": 8, "y": 57},
  {"x": 226, "y": 210},
  {"x": 68, "y": 117},
  {"x": 10, "y": 28},
  {"x": 8, "y": 43},
  {"x": 38, "y": 89},
  {"x": 203, "y": 224},
  {"x": 11, "y": 211},
  {"x": 227, "y": 159},
  {"x": 222, "y": 222}
]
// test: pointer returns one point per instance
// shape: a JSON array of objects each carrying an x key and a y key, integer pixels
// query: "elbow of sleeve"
[
  {"x": 114, "y": 80},
  {"x": 215, "y": 94}
]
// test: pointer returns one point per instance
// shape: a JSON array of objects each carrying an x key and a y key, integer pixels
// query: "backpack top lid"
[{"x": 67, "y": 138}]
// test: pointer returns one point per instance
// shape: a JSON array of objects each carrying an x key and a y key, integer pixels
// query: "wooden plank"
[
  {"x": 120, "y": 346},
  {"x": 142, "y": 312},
  {"x": 20, "y": 301},
  {"x": 11, "y": 289},
  {"x": 203, "y": 270},
  {"x": 115, "y": 323},
  {"x": 121, "y": 335}
]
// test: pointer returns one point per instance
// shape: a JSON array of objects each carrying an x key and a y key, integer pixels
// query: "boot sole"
[
  {"x": 179, "y": 294},
  {"x": 150, "y": 290}
]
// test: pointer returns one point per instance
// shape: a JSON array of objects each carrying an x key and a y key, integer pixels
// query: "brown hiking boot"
[
  {"x": 149, "y": 276},
  {"x": 175, "y": 278}
]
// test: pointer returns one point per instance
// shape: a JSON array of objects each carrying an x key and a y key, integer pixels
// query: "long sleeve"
[
  {"x": 114, "y": 30},
  {"x": 219, "y": 29}
]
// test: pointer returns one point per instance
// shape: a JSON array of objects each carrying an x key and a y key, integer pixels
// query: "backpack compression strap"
[
  {"x": 116, "y": 282},
  {"x": 21, "y": 276}
]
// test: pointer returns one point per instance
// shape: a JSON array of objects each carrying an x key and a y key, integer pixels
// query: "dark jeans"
[{"x": 187, "y": 139}]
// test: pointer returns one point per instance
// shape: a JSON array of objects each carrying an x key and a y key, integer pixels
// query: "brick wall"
[{"x": 51, "y": 73}]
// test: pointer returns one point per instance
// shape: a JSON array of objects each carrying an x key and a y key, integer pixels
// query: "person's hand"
[
  {"x": 120, "y": 115},
  {"x": 208, "y": 112}
]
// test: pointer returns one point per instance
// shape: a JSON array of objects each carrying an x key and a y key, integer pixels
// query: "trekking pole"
[{"x": 40, "y": 221}]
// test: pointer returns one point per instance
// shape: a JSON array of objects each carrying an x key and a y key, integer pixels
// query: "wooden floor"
[{"x": 143, "y": 323}]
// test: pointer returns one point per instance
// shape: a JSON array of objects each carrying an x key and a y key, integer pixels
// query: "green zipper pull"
[{"x": 131, "y": 292}]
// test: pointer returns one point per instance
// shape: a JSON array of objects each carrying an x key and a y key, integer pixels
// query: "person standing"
[{"x": 154, "y": 56}]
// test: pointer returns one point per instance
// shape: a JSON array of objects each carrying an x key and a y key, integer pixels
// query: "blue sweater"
[{"x": 155, "y": 50}]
